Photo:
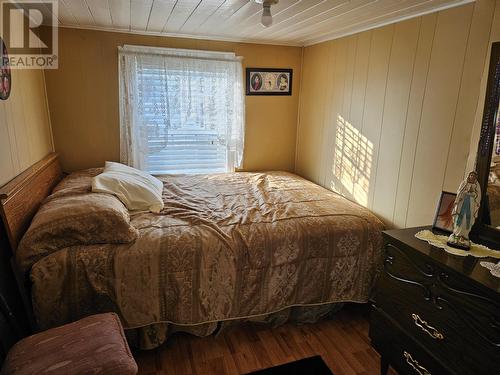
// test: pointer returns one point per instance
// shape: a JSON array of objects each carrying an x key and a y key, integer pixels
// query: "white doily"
[
  {"x": 476, "y": 250},
  {"x": 494, "y": 268}
]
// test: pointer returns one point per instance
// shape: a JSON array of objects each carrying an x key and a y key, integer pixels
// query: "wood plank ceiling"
[{"x": 295, "y": 22}]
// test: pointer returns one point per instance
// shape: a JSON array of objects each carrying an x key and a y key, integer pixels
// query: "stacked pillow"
[
  {"x": 74, "y": 220},
  {"x": 138, "y": 190},
  {"x": 89, "y": 208}
]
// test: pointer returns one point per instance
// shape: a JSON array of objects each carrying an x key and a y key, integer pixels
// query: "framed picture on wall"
[
  {"x": 5, "y": 76},
  {"x": 269, "y": 81},
  {"x": 443, "y": 220}
]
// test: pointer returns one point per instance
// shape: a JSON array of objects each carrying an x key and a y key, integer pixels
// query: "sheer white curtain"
[{"x": 181, "y": 111}]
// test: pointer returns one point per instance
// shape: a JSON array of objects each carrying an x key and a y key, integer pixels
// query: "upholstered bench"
[{"x": 93, "y": 345}]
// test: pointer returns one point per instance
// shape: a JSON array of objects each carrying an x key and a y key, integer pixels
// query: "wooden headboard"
[{"x": 21, "y": 197}]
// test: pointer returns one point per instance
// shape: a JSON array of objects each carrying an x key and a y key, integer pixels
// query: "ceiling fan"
[{"x": 267, "y": 18}]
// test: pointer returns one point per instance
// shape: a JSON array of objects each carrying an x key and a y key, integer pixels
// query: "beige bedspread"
[{"x": 226, "y": 246}]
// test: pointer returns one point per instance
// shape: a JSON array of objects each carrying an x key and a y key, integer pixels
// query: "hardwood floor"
[{"x": 342, "y": 342}]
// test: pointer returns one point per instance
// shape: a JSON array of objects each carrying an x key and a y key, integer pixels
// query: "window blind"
[{"x": 181, "y": 113}]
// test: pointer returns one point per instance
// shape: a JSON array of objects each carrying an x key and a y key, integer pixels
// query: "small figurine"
[{"x": 465, "y": 212}]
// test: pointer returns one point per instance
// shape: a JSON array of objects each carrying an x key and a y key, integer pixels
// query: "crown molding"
[{"x": 215, "y": 38}]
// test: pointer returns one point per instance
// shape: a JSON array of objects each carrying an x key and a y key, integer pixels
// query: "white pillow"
[{"x": 137, "y": 190}]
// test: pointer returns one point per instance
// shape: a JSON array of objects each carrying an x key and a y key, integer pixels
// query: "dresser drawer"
[
  {"x": 476, "y": 319},
  {"x": 406, "y": 293},
  {"x": 413, "y": 274},
  {"x": 481, "y": 312},
  {"x": 422, "y": 320},
  {"x": 423, "y": 300},
  {"x": 403, "y": 353}
]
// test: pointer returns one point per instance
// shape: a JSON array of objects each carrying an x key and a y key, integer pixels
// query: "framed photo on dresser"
[{"x": 443, "y": 220}]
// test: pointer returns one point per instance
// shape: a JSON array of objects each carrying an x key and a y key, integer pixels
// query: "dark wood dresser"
[{"x": 435, "y": 313}]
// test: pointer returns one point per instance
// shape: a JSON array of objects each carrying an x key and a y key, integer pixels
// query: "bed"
[{"x": 226, "y": 248}]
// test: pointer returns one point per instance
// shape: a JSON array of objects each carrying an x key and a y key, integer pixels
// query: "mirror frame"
[{"x": 481, "y": 232}]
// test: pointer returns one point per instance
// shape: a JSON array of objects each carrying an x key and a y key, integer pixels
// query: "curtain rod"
[{"x": 179, "y": 53}]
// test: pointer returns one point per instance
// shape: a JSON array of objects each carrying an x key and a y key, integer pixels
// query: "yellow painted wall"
[
  {"x": 84, "y": 106},
  {"x": 25, "y": 135},
  {"x": 386, "y": 115}
]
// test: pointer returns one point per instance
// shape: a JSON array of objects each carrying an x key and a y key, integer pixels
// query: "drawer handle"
[
  {"x": 424, "y": 326},
  {"x": 414, "y": 364}
]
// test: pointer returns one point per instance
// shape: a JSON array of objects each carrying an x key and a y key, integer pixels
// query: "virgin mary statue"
[{"x": 465, "y": 212}]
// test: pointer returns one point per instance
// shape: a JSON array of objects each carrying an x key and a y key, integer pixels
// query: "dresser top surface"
[{"x": 468, "y": 266}]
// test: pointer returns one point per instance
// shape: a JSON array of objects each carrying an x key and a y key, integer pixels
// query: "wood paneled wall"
[
  {"x": 25, "y": 135},
  {"x": 386, "y": 115}
]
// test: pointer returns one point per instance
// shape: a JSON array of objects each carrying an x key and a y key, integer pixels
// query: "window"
[{"x": 181, "y": 111}]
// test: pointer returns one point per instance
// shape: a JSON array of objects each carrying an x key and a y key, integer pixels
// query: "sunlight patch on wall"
[{"x": 352, "y": 162}]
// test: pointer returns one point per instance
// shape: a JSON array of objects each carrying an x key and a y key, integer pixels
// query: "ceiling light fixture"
[{"x": 267, "y": 18}]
